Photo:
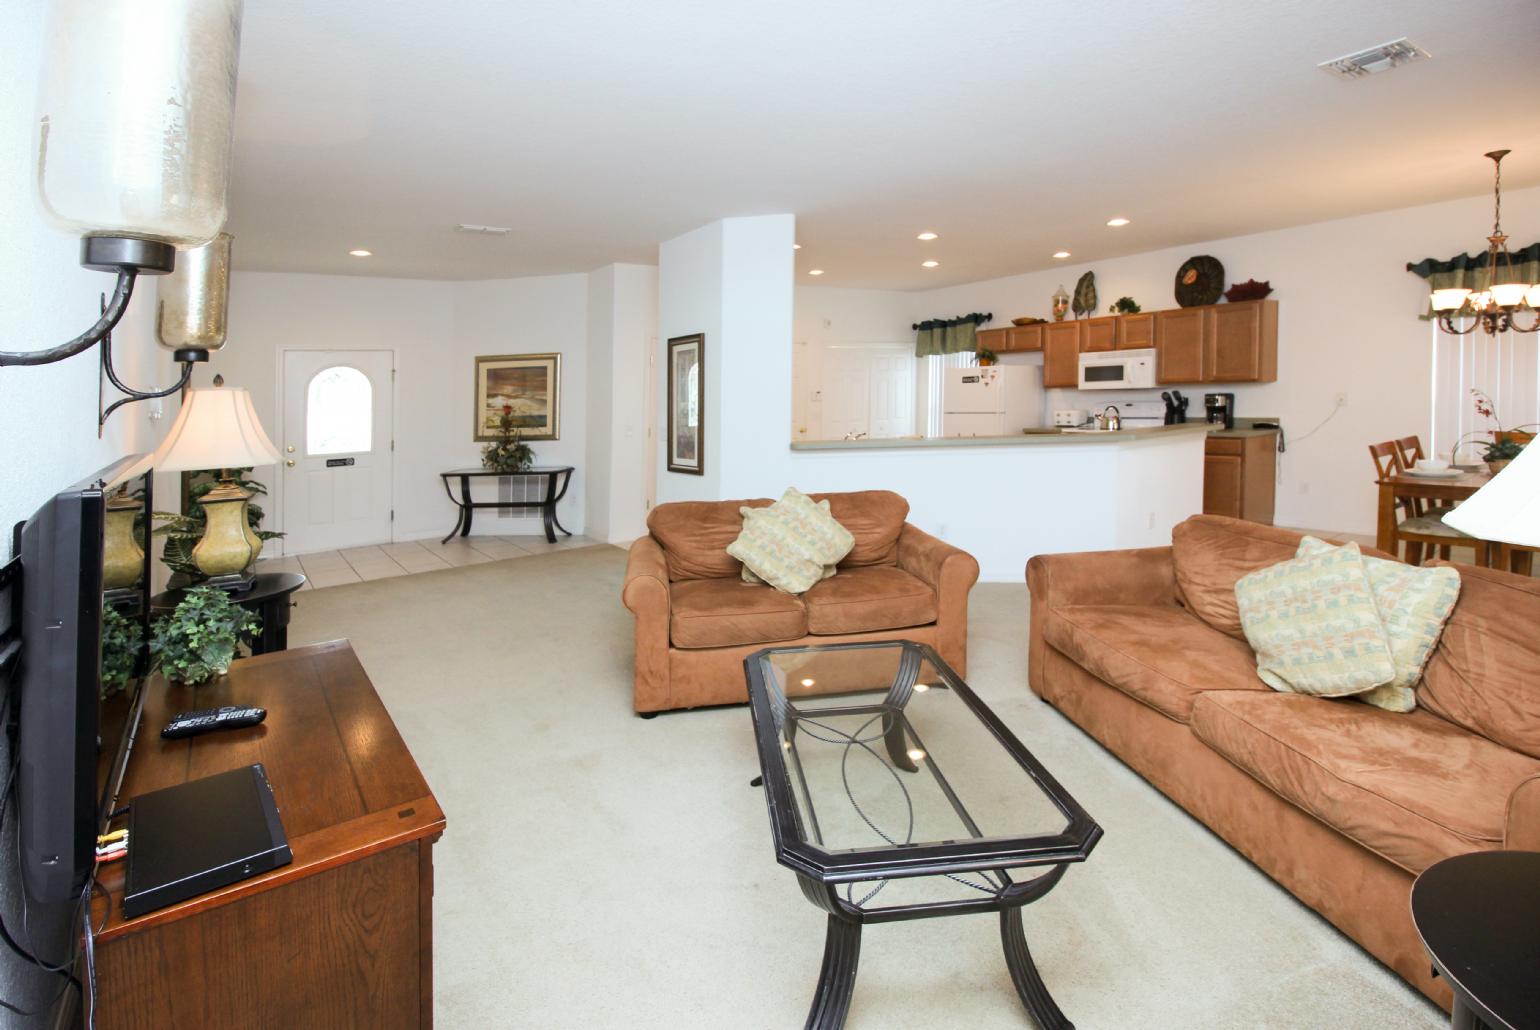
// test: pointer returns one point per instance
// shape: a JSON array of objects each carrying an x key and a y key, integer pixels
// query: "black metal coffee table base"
[{"x": 842, "y": 950}]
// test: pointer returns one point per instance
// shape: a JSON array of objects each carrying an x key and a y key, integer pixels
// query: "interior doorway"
[{"x": 337, "y": 438}]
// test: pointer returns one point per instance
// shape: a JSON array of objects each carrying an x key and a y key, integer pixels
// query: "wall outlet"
[
  {"x": 1304, "y": 488},
  {"x": 1152, "y": 520},
  {"x": 941, "y": 530},
  {"x": 1341, "y": 399}
]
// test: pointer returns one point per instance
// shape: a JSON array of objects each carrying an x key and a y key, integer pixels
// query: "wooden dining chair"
[
  {"x": 1420, "y": 530},
  {"x": 1411, "y": 452}
]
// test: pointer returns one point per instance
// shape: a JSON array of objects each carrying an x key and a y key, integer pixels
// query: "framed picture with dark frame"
[
  {"x": 686, "y": 405},
  {"x": 528, "y": 386}
]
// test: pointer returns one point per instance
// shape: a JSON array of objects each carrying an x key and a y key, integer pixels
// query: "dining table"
[{"x": 1446, "y": 490}]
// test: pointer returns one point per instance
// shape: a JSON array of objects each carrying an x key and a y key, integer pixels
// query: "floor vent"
[
  {"x": 517, "y": 490},
  {"x": 1374, "y": 60}
]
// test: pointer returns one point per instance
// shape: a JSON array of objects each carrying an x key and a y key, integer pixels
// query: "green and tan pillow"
[
  {"x": 1314, "y": 626},
  {"x": 792, "y": 544},
  {"x": 1413, "y": 604}
]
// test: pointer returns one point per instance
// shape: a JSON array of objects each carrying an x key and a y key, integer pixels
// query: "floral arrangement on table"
[
  {"x": 507, "y": 453},
  {"x": 197, "y": 642},
  {"x": 1504, "y": 445}
]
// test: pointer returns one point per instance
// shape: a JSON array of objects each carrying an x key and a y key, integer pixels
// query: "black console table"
[
  {"x": 268, "y": 597},
  {"x": 557, "y": 478}
]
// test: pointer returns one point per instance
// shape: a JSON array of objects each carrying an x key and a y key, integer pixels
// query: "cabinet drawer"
[{"x": 1225, "y": 445}]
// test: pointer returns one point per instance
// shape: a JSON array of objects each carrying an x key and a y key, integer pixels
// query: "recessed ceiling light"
[
  {"x": 1116, "y": 222},
  {"x": 815, "y": 271},
  {"x": 1061, "y": 253},
  {"x": 929, "y": 264},
  {"x": 796, "y": 246},
  {"x": 927, "y": 236},
  {"x": 361, "y": 253}
]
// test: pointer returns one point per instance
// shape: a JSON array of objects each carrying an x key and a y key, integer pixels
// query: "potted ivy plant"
[
  {"x": 986, "y": 356},
  {"x": 1499, "y": 453},
  {"x": 120, "y": 650},
  {"x": 197, "y": 642}
]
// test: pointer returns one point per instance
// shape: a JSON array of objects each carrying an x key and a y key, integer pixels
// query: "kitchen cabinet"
[
  {"x": 1061, "y": 354},
  {"x": 1021, "y": 338},
  {"x": 1099, "y": 333},
  {"x": 1136, "y": 332},
  {"x": 1239, "y": 476},
  {"x": 1179, "y": 345},
  {"x": 993, "y": 339},
  {"x": 1242, "y": 342}
]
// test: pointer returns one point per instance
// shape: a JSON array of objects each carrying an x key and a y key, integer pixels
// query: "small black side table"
[
  {"x": 557, "y": 479},
  {"x": 268, "y": 597},
  {"x": 1479, "y": 917}
]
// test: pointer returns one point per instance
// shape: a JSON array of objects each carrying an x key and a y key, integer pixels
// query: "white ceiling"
[{"x": 1011, "y": 128}]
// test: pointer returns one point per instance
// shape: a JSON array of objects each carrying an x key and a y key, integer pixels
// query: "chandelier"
[{"x": 1492, "y": 308}]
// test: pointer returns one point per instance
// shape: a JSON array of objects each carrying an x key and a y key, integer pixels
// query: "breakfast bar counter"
[{"x": 1026, "y": 438}]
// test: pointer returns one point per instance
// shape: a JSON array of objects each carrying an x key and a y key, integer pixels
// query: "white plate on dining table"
[{"x": 1448, "y": 473}]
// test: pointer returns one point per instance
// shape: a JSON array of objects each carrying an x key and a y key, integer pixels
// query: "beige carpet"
[{"x": 601, "y": 870}]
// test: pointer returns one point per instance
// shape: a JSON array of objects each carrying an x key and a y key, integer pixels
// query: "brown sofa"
[
  {"x": 1341, "y": 803},
  {"x": 696, "y": 620}
]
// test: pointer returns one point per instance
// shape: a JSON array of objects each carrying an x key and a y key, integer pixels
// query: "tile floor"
[{"x": 356, "y": 564}]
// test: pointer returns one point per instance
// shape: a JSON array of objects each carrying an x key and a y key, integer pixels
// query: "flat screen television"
[{"x": 67, "y": 774}]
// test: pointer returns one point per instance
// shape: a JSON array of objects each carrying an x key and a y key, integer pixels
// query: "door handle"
[
  {"x": 290, "y": 463},
  {"x": 290, "y": 448}
]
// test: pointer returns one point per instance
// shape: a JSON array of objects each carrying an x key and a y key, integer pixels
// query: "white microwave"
[{"x": 1117, "y": 370}]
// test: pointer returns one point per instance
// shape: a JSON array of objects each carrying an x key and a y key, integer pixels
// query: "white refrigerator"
[{"x": 1000, "y": 400}]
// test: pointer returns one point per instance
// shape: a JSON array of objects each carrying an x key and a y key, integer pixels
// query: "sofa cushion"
[
  {"x": 729, "y": 612},
  {"x": 1159, "y": 655},
  {"x": 867, "y": 599},
  {"x": 792, "y": 544},
  {"x": 695, "y": 535},
  {"x": 1485, "y": 672},
  {"x": 1314, "y": 625},
  {"x": 1411, "y": 788},
  {"x": 1211, "y": 552},
  {"x": 875, "y": 518}
]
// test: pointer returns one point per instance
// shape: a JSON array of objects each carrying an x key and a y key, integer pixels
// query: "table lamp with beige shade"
[
  {"x": 1507, "y": 509},
  {"x": 218, "y": 428}
]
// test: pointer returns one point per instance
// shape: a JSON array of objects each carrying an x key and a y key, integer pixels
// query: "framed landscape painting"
[
  {"x": 528, "y": 385},
  {"x": 686, "y": 405}
]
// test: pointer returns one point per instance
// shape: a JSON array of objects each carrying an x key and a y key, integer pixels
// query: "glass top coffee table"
[{"x": 895, "y": 793}]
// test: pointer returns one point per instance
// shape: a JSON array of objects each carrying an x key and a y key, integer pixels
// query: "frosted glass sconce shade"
[
  {"x": 134, "y": 117},
  {"x": 195, "y": 298}
]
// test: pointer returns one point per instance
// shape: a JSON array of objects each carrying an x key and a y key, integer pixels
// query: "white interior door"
[
  {"x": 847, "y": 393},
  {"x": 337, "y": 442},
  {"x": 892, "y": 393}
]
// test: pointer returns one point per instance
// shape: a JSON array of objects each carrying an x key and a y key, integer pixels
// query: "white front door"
[{"x": 337, "y": 443}]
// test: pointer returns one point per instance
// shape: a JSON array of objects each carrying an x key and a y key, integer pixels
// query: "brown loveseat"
[
  {"x": 696, "y": 620},
  {"x": 1340, "y": 802}
]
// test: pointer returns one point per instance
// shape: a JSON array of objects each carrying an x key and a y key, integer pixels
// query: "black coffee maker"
[{"x": 1219, "y": 409}]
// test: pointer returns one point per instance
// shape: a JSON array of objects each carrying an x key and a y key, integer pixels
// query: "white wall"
[
  {"x": 1347, "y": 323},
  {"x": 436, "y": 329},
  {"x": 689, "y": 302},
  {"x": 622, "y": 325}
]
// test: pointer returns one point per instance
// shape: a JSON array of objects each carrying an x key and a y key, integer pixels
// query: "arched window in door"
[{"x": 339, "y": 412}]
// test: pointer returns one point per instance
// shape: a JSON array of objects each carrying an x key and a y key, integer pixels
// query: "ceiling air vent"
[
  {"x": 1374, "y": 60},
  {"x": 482, "y": 230}
]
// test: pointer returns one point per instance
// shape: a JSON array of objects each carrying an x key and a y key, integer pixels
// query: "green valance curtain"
[
  {"x": 948, "y": 335},
  {"x": 1466, "y": 272}
]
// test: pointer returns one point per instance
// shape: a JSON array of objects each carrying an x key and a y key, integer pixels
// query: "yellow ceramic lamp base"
[{"x": 226, "y": 550}]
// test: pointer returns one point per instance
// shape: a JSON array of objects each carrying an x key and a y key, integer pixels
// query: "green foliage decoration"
[
  {"x": 120, "y": 650},
  {"x": 198, "y": 641}
]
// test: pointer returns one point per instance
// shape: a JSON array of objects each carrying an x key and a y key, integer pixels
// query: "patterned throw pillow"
[
  {"x": 1313, "y": 623},
  {"x": 1414, "y": 603},
  {"x": 792, "y": 543}
]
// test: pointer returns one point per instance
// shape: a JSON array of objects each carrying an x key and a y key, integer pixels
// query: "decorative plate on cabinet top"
[
  {"x": 1028, "y": 321},
  {"x": 1200, "y": 280},
  {"x": 1248, "y": 290}
]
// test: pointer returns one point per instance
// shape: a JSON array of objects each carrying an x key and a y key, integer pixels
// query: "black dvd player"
[{"x": 198, "y": 836}]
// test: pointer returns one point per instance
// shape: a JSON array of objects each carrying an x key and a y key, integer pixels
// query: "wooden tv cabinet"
[{"x": 343, "y": 937}]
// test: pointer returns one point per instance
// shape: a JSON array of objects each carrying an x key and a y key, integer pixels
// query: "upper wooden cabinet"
[
  {"x": 992, "y": 339},
  {"x": 1136, "y": 332},
  {"x": 1179, "y": 345},
  {"x": 1243, "y": 342},
  {"x": 1061, "y": 354},
  {"x": 1100, "y": 333},
  {"x": 1024, "y": 338}
]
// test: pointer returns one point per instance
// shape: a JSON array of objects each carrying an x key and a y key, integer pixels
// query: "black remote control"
[{"x": 230, "y": 717}]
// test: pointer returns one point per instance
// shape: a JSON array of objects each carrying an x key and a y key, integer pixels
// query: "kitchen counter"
[{"x": 1035, "y": 438}]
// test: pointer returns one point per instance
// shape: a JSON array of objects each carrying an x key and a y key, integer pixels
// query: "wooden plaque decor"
[
  {"x": 686, "y": 405},
  {"x": 1199, "y": 281},
  {"x": 529, "y": 385}
]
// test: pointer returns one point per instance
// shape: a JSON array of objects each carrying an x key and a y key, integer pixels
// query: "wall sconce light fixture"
[{"x": 133, "y": 153}]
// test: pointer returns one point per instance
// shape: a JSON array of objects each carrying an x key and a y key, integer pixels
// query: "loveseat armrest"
[
  {"x": 646, "y": 594},
  {"x": 950, "y": 572},
  {"x": 1523, "y": 830},
  {"x": 1142, "y": 575}
]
